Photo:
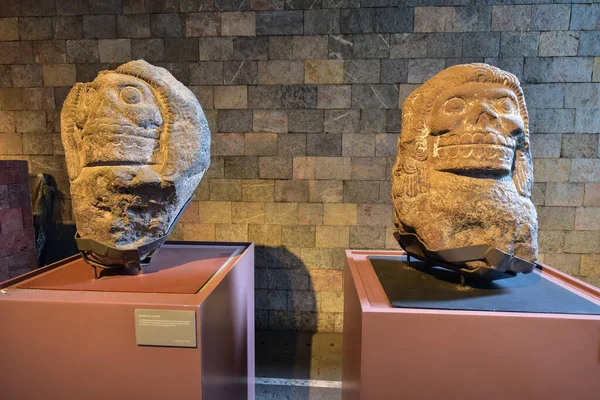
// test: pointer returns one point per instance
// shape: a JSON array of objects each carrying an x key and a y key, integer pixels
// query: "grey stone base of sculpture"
[
  {"x": 491, "y": 263},
  {"x": 100, "y": 255}
]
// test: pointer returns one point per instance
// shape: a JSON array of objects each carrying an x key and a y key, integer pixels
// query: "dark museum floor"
[{"x": 298, "y": 365}]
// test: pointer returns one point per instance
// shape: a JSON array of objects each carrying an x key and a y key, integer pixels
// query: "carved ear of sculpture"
[
  {"x": 185, "y": 132},
  {"x": 69, "y": 130},
  {"x": 522, "y": 175},
  {"x": 523, "y": 170},
  {"x": 408, "y": 179}
]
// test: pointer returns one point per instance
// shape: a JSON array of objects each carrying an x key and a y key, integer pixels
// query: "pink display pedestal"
[
  {"x": 409, "y": 353},
  {"x": 65, "y": 335}
]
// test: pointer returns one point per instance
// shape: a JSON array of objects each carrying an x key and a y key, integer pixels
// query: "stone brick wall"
[
  {"x": 303, "y": 100},
  {"x": 17, "y": 237}
]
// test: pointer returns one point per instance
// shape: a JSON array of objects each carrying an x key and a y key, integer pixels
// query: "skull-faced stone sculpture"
[
  {"x": 137, "y": 144},
  {"x": 463, "y": 173}
]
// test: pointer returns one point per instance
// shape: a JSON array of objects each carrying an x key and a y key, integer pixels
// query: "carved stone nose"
[{"x": 484, "y": 114}]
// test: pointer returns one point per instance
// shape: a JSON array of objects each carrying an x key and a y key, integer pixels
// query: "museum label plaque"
[{"x": 173, "y": 328}]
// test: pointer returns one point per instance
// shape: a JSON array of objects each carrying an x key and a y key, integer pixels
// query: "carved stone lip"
[
  {"x": 116, "y": 128},
  {"x": 476, "y": 139}
]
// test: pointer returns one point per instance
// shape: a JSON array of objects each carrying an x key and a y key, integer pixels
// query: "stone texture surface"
[
  {"x": 463, "y": 174},
  {"x": 136, "y": 145},
  {"x": 261, "y": 48}
]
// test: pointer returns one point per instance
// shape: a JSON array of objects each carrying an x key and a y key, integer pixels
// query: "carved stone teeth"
[
  {"x": 490, "y": 152},
  {"x": 501, "y": 140},
  {"x": 478, "y": 152},
  {"x": 452, "y": 151},
  {"x": 442, "y": 152},
  {"x": 491, "y": 138},
  {"x": 466, "y": 138},
  {"x": 127, "y": 130},
  {"x": 451, "y": 140},
  {"x": 465, "y": 151},
  {"x": 479, "y": 138}
]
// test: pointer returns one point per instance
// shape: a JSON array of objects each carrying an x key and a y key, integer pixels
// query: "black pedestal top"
[{"x": 419, "y": 286}]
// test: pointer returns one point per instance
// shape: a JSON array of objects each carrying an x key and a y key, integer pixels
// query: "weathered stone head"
[
  {"x": 137, "y": 144},
  {"x": 463, "y": 173}
]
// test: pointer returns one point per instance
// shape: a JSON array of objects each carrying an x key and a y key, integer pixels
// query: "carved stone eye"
[
  {"x": 455, "y": 105},
  {"x": 505, "y": 105},
  {"x": 131, "y": 95}
]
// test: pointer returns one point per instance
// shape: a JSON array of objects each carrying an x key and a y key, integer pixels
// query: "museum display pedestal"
[
  {"x": 449, "y": 346},
  {"x": 184, "y": 329}
]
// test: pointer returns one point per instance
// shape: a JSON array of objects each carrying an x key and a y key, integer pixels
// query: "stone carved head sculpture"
[
  {"x": 463, "y": 173},
  {"x": 137, "y": 144}
]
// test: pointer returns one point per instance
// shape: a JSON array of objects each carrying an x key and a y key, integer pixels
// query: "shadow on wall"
[
  {"x": 285, "y": 299},
  {"x": 54, "y": 239},
  {"x": 287, "y": 318}
]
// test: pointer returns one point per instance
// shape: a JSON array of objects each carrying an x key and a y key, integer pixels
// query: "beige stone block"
[
  {"x": 248, "y": 213},
  {"x": 231, "y": 232},
  {"x": 304, "y": 167},
  {"x": 227, "y": 144},
  {"x": 325, "y": 191},
  {"x": 10, "y": 144},
  {"x": 319, "y": 258},
  {"x": 340, "y": 214},
  {"x": 367, "y": 237},
  {"x": 270, "y": 121},
  {"x": 258, "y": 190},
  {"x": 261, "y": 144},
  {"x": 582, "y": 242},
  {"x": 38, "y": 143},
  {"x": 265, "y": 235},
  {"x": 333, "y": 236},
  {"x": 567, "y": 263},
  {"x": 193, "y": 231},
  {"x": 281, "y": 213},
  {"x": 324, "y": 71},
  {"x": 326, "y": 280},
  {"x": 177, "y": 232},
  {"x": 202, "y": 191},
  {"x": 9, "y": 29},
  {"x": 59, "y": 74},
  {"x": 300, "y": 236},
  {"x": 368, "y": 168},
  {"x": 114, "y": 50},
  {"x": 205, "y": 96},
  {"x": 225, "y": 189},
  {"x": 275, "y": 167},
  {"x": 31, "y": 121},
  {"x": 191, "y": 213},
  {"x": 238, "y": 24},
  {"x": 592, "y": 195},
  {"x": 338, "y": 168},
  {"x": 551, "y": 241},
  {"x": 231, "y": 97},
  {"x": 291, "y": 191},
  {"x": 556, "y": 218},
  {"x": 280, "y": 72},
  {"x": 587, "y": 219},
  {"x": 7, "y": 122},
  {"x": 330, "y": 301},
  {"x": 551, "y": 169},
  {"x": 375, "y": 214},
  {"x": 215, "y": 212},
  {"x": 564, "y": 194},
  {"x": 390, "y": 241},
  {"x": 310, "y": 214},
  {"x": 338, "y": 323},
  {"x": 590, "y": 265}
]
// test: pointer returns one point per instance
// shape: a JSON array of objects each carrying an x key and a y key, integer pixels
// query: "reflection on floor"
[{"x": 298, "y": 365}]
